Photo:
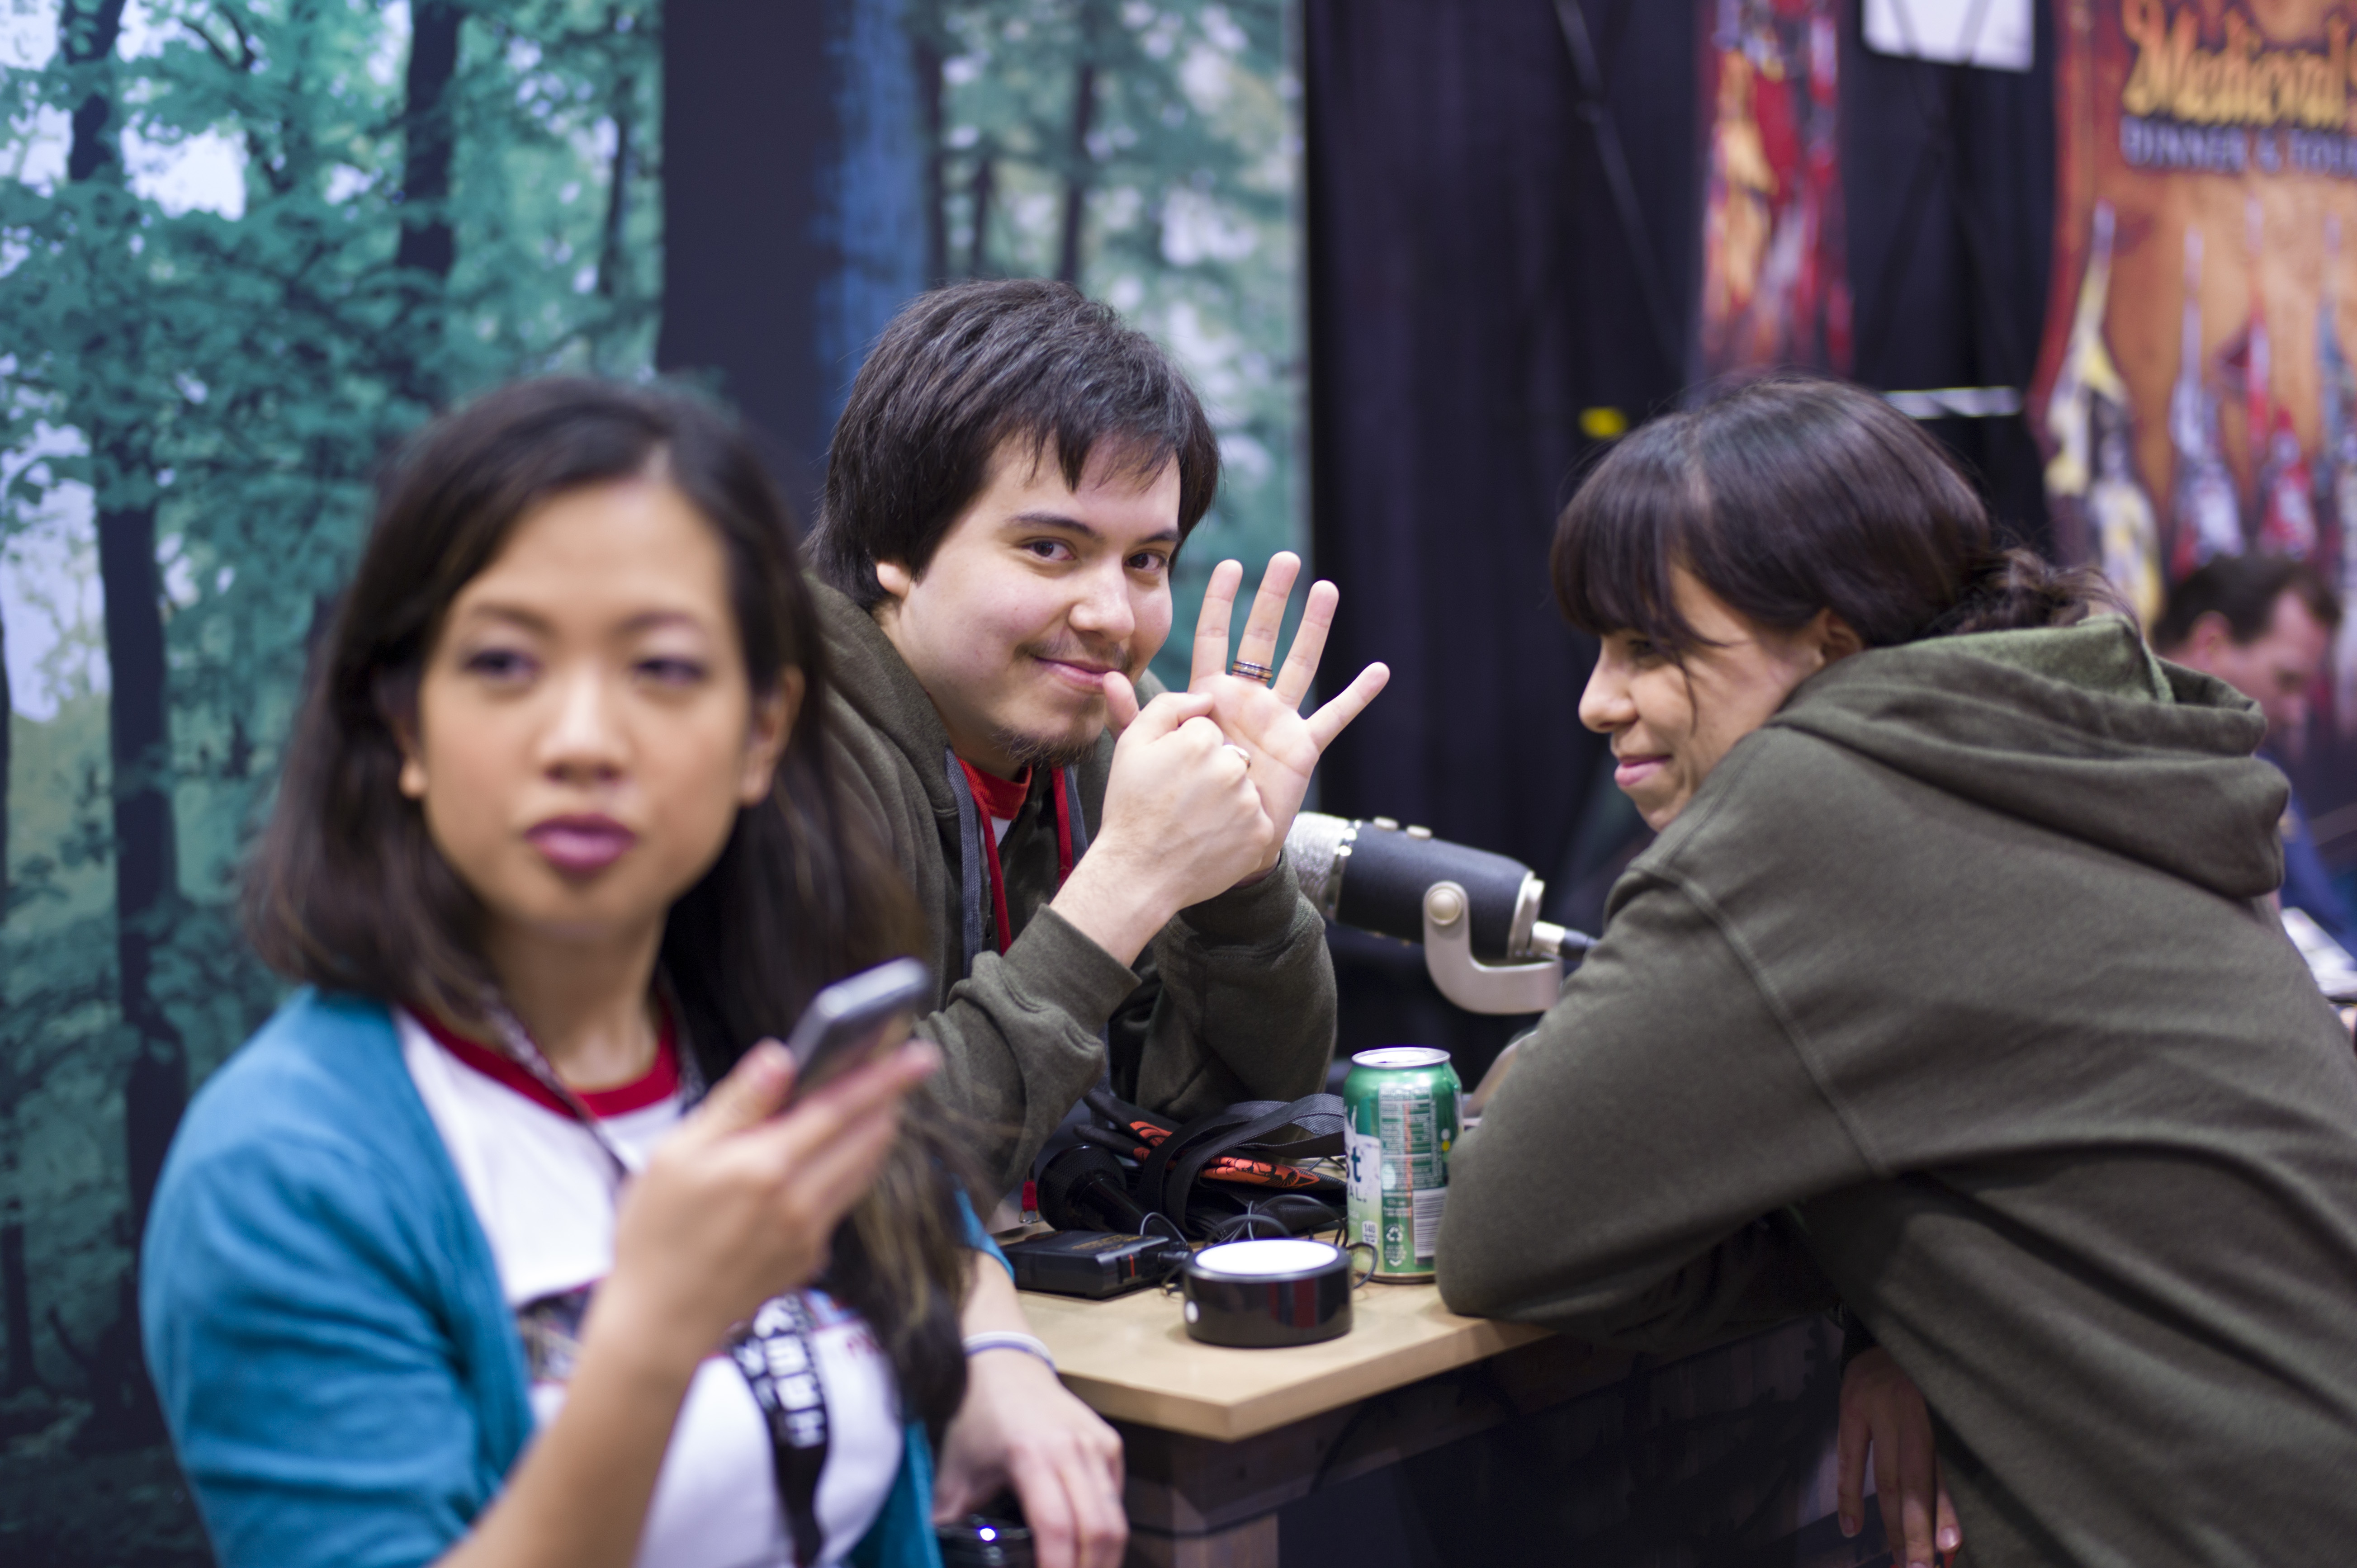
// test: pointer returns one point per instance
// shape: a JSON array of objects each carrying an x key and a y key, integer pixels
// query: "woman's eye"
[
  {"x": 497, "y": 664},
  {"x": 1149, "y": 561},
  {"x": 671, "y": 671},
  {"x": 1049, "y": 549}
]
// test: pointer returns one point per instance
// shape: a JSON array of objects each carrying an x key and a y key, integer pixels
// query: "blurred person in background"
[{"x": 2263, "y": 624}]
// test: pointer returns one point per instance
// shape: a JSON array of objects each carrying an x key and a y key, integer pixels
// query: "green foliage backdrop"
[
  {"x": 248, "y": 244},
  {"x": 245, "y": 246},
  {"x": 1150, "y": 152}
]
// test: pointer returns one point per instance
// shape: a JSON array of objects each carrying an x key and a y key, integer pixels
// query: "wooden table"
[{"x": 1220, "y": 1439}]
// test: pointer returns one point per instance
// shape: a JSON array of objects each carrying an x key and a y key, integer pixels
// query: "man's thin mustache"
[{"x": 1113, "y": 658}]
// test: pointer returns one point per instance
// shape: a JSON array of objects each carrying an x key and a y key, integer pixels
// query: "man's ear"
[
  {"x": 765, "y": 742},
  {"x": 896, "y": 579},
  {"x": 2208, "y": 637}
]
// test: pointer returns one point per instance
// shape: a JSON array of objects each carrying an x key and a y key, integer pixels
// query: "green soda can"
[{"x": 1400, "y": 1120}]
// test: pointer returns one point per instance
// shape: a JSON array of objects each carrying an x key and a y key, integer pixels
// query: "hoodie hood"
[
  {"x": 876, "y": 683},
  {"x": 2075, "y": 729}
]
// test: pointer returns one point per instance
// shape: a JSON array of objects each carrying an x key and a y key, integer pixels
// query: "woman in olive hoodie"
[{"x": 1950, "y": 990}]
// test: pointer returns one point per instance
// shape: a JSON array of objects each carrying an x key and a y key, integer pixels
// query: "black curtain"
[{"x": 1474, "y": 285}]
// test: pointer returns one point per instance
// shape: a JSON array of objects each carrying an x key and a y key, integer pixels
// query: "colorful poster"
[
  {"x": 1774, "y": 290},
  {"x": 2194, "y": 393}
]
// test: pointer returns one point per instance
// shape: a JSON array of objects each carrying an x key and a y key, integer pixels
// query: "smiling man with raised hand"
[{"x": 1100, "y": 862}]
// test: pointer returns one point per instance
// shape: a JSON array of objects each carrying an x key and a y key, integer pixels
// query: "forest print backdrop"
[{"x": 246, "y": 245}]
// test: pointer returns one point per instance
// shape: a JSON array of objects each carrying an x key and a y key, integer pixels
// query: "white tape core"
[{"x": 1266, "y": 1257}]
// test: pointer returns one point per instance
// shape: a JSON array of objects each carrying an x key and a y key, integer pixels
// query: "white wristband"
[{"x": 976, "y": 1344}]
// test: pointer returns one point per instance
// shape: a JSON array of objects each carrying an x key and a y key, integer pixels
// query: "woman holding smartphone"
[{"x": 455, "y": 1261}]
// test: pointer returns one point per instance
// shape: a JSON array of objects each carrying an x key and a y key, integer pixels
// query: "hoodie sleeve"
[
  {"x": 1243, "y": 1003},
  {"x": 1629, "y": 1181}
]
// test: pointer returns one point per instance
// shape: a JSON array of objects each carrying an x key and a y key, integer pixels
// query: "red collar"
[
  {"x": 1000, "y": 798},
  {"x": 659, "y": 1083}
]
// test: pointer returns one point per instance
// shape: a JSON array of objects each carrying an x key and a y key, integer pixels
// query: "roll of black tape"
[{"x": 1264, "y": 1293}]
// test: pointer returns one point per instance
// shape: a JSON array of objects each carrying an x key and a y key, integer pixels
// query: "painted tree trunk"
[
  {"x": 427, "y": 243},
  {"x": 147, "y": 852},
  {"x": 1076, "y": 151},
  {"x": 16, "y": 1290}
]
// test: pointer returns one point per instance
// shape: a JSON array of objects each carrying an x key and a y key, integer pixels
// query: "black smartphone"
[{"x": 847, "y": 1019}]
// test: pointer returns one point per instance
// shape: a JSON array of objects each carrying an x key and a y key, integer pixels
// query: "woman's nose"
[
  {"x": 584, "y": 737},
  {"x": 1604, "y": 704}
]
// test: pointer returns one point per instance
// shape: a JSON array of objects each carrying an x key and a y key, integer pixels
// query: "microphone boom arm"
[{"x": 1481, "y": 987}]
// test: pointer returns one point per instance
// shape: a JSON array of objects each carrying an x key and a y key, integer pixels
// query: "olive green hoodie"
[
  {"x": 1954, "y": 994},
  {"x": 1233, "y": 999}
]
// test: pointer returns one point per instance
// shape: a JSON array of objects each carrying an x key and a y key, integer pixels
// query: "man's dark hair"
[
  {"x": 2244, "y": 589},
  {"x": 967, "y": 370}
]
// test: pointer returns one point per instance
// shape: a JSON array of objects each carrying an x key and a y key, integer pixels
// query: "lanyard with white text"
[{"x": 772, "y": 1351}]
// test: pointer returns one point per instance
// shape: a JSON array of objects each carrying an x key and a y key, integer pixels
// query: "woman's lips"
[
  {"x": 1632, "y": 772},
  {"x": 577, "y": 846}
]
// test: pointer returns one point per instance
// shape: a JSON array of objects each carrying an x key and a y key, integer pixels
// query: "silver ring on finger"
[
  {"x": 1242, "y": 755},
  {"x": 1262, "y": 673}
]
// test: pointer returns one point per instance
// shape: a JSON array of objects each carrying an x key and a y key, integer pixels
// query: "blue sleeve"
[
  {"x": 316, "y": 1385},
  {"x": 902, "y": 1535},
  {"x": 977, "y": 1238},
  {"x": 2307, "y": 885}
]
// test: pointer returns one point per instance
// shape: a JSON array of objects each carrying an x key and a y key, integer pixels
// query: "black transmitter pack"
[{"x": 1091, "y": 1264}]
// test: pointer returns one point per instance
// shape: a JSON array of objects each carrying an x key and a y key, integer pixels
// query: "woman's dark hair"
[
  {"x": 967, "y": 370},
  {"x": 1790, "y": 495},
  {"x": 347, "y": 890}
]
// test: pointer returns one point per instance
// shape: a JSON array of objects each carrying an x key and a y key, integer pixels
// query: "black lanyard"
[{"x": 772, "y": 1351}]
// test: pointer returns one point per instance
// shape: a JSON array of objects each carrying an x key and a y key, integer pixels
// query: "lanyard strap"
[{"x": 772, "y": 1351}]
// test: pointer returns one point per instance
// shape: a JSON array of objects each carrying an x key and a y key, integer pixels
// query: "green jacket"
[
  {"x": 1952, "y": 993},
  {"x": 1234, "y": 1001}
]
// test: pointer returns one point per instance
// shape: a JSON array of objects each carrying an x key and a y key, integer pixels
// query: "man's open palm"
[{"x": 1281, "y": 743}]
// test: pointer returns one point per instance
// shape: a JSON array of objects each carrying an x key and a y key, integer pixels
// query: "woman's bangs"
[{"x": 1619, "y": 538}]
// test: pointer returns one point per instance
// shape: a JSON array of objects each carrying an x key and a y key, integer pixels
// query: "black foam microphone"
[
  {"x": 1082, "y": 1189},
  {"x": 1375, "y": 875}
]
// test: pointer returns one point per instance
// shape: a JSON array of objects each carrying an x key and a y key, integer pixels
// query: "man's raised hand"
[{"x": 1282, "y": 745}]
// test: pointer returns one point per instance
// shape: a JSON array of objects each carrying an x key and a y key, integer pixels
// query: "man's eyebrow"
[{"x": 1063, "y": 523}]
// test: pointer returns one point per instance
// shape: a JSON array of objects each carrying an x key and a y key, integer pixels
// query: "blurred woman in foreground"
[
  {"x": 1949, "y": 990},
  {"x": 454, "y": 1261}
]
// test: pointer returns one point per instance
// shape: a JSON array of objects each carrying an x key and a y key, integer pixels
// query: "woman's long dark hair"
[
  {"x": 1790, "y": 495},
  {"x": 347, "y": 891}
]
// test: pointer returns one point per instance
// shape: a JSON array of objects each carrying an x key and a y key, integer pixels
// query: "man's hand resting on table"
[{"x": 1881, "y": 1409}]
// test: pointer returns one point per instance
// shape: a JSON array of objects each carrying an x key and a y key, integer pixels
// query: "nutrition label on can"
[{"x": 1415, "y": 1177}]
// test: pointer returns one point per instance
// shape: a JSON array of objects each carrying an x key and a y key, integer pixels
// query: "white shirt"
[{"x": 545, "y": 1193}]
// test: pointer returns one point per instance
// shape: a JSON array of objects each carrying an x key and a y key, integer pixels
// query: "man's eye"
[
  {"x": 1149, "y": 561},
  {"x": 1049, "y": 549}
]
